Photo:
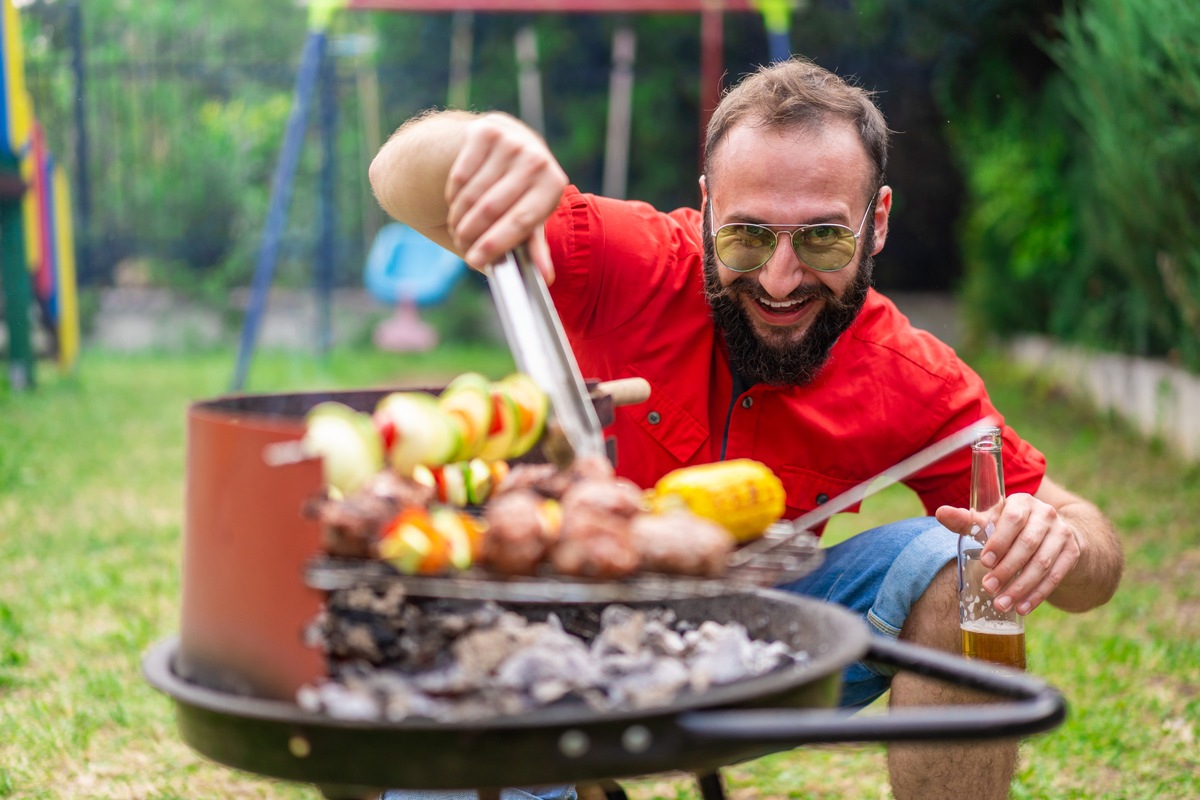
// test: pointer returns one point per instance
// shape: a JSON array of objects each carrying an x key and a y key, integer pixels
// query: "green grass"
[{"x": 91, "y": 503}]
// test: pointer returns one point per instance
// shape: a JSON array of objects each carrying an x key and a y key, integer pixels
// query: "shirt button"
[
  {"x": 654, "y": 418},
  {"x": 822, "y": 499},
  {"x": 747, "y": 402}
]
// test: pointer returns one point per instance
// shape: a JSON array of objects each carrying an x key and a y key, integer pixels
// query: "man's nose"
[{"x": 783, "y": 271}]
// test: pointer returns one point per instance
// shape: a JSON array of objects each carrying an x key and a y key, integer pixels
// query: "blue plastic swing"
[
  {"x": 406, "y": 270},
  {"x": 404, "y": 266}
]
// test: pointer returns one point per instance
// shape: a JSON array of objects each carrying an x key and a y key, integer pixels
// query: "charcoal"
[
  {"x": 655, "y": 683},
  {"x": 552, "y": 666},
  {"x": 723, "y": 654},
  {"x": 392, "y": 658}
]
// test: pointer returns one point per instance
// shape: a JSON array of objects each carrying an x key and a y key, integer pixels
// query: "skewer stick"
[{"x": 280, "y": 454}]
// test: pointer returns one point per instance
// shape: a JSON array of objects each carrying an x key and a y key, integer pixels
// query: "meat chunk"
[
  {"x": 550, "y": 481},
  {"x": 595, "y": 539},
  {"x": 544, "y": 479},
  {"x": 681, "y": 543},
  {"x": 520, "y": 530},
  {"x": 352, "y": 526}
]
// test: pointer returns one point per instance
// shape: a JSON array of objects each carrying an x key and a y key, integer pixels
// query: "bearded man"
[{"x": 754, "y": 321}]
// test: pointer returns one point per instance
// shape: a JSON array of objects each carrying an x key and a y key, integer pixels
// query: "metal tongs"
[{"x": 540, "y": 349}]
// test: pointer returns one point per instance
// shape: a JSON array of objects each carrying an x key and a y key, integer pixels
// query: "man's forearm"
[
  {"x": 409, "y": 173},
  {"x": 1101, "y": 560},
  {"x": 1096, "y": 575}
]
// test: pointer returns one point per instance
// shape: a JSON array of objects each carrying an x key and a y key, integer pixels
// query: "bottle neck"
[
  {"x": 987, "y": 477},
  {"x": 987, "y": 481}
]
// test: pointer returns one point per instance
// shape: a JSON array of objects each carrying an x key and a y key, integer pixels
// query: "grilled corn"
[{"x": 742, "y": 495}]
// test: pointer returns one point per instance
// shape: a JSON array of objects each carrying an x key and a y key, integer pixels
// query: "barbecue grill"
[{"x": 248, "y": 593}]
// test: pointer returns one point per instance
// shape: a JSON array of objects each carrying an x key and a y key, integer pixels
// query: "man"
[{"x": 756, "y": 325}]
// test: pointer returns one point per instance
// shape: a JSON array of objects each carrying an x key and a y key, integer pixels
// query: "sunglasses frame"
[{"x": 795, "y": 228}]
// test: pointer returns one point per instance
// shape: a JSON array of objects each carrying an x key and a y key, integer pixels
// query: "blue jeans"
[{"x": 878, "y": 574}]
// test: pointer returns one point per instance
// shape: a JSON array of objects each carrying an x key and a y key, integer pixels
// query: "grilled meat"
[
  {"x": 521, "y": 528},
  {"x": 595, "y": 540},
  {"x": 680, "y": 543}
]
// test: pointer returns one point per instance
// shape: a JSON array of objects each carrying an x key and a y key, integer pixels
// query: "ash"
[{"x": 390, "y": 659}]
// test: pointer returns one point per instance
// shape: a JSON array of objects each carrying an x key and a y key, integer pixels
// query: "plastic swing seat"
[{"x": 407, "y": 270}]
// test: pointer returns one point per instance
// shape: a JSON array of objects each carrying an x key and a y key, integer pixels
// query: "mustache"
[{"x": 746, "y": 286}]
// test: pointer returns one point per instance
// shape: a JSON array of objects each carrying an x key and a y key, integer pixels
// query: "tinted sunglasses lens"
[
  {"x": 824, "y": 246},
  {"x": 743, "y": 248}
]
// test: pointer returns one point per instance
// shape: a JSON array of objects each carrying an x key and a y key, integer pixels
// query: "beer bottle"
[{"x": 988, "y": 634}]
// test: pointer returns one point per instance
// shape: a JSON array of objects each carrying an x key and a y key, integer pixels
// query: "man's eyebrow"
[{"x": 753, "y": 220}]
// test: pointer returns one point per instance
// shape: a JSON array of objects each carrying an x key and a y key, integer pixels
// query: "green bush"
[
  {"x": 1132, "y": 69},
  {"x": 1018, "y": 232},
  {"x": 1082, "y": 188}
]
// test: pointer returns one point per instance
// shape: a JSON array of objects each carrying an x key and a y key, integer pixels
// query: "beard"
[{"x": 782, "y": 363}]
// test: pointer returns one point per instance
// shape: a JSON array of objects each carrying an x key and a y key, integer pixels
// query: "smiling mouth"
[
  {"x": 781, "y": 306},
  {"x": 781, "y": 313}
]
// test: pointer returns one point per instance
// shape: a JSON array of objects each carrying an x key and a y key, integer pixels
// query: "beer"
[
  {"x": 997, "y": 641},
  {"x": 988, "y": 634}
]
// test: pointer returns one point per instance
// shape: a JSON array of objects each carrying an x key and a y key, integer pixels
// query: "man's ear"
[
  {"x": 883, "y": 208},
  {"x": 703, "y": 191}
]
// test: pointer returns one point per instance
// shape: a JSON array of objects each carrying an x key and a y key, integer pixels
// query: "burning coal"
[{"x": 391, "y": 658}]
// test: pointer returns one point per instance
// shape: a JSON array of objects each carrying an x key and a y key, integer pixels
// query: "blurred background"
[
  {"x": 1044, "y": 165},
  {"x": 183, "y": 181}
]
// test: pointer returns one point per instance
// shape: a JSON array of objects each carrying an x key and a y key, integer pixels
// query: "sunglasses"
[{"x": 745, "y": 246}]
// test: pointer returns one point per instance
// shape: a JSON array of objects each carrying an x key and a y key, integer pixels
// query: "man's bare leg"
[{"x": 979, "y": 771}]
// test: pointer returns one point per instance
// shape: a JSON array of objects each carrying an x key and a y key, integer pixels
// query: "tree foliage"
[{"x": 1082, "y": 179}]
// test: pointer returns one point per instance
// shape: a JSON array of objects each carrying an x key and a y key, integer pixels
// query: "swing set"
[
  {"x": 391, "y": 272},
  {"x": 37, "y": 247}
]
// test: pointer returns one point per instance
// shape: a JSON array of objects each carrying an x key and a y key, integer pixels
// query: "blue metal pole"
[
  {"x": 281, "y": 195},
  {"x": 326, "y": 207},
  {"x": 778, "y": 45},
  {"x": 83, "y": 185}
]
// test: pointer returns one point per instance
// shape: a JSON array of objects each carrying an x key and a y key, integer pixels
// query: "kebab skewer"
[{"x": 425, "y": 483}]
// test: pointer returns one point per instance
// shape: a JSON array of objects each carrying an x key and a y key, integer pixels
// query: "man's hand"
[
  {"x": 500, "y": 190},
  {"x": 1029, "y": 554}
]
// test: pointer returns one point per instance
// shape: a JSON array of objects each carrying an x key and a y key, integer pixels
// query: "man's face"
[{"x": 781, "y": 320}]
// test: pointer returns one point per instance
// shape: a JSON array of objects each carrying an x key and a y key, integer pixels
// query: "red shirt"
[{"x": 629, "y": 289}]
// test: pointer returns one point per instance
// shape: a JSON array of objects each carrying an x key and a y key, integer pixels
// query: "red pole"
[{"x": 712, "y": 65}]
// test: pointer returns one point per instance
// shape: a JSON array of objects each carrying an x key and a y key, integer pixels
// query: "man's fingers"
[
  {"x": 1031, "y": 550},
  {"x": 1036, "y": 579},
  {"x": 502, "y": 187},
  {"x": 517, "y": 225},
  {"x": 954, "y": 519},
  {"x": 1043, "y": 554}
]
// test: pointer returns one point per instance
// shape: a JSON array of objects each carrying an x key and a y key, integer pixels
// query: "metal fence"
[{"x": 171, "y": 160}]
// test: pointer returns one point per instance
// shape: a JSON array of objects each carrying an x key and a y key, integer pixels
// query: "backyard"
[{"x": 91, "y": 507}]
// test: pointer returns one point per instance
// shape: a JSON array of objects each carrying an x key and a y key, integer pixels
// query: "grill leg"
[{"x": 711, "y": 787}]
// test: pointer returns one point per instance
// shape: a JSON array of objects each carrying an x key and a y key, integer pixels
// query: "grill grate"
[{"x": 793, "y": 557}]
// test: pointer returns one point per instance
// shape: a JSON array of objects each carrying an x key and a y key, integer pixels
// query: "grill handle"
[{"x": 1038, "y": 707}]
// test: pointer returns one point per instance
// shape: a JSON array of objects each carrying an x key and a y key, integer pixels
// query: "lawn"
[{"x": 91, "y": 502}]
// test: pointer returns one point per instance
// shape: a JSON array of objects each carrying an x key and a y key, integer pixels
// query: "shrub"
[{"x": 1132, "y": 70}]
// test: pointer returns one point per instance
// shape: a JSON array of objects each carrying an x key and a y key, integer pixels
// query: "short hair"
[{"x": 798, "y": 93}]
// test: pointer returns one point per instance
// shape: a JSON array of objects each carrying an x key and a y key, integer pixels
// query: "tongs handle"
[{"x": 540, "y": 349}]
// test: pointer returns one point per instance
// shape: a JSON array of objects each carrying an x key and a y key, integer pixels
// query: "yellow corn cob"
[{"x": 742, "y": 495}]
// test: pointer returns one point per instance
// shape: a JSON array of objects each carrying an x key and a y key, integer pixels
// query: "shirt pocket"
[
  {"x": 807, "y": 490},
  {"x": 669, "y": 423}
]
